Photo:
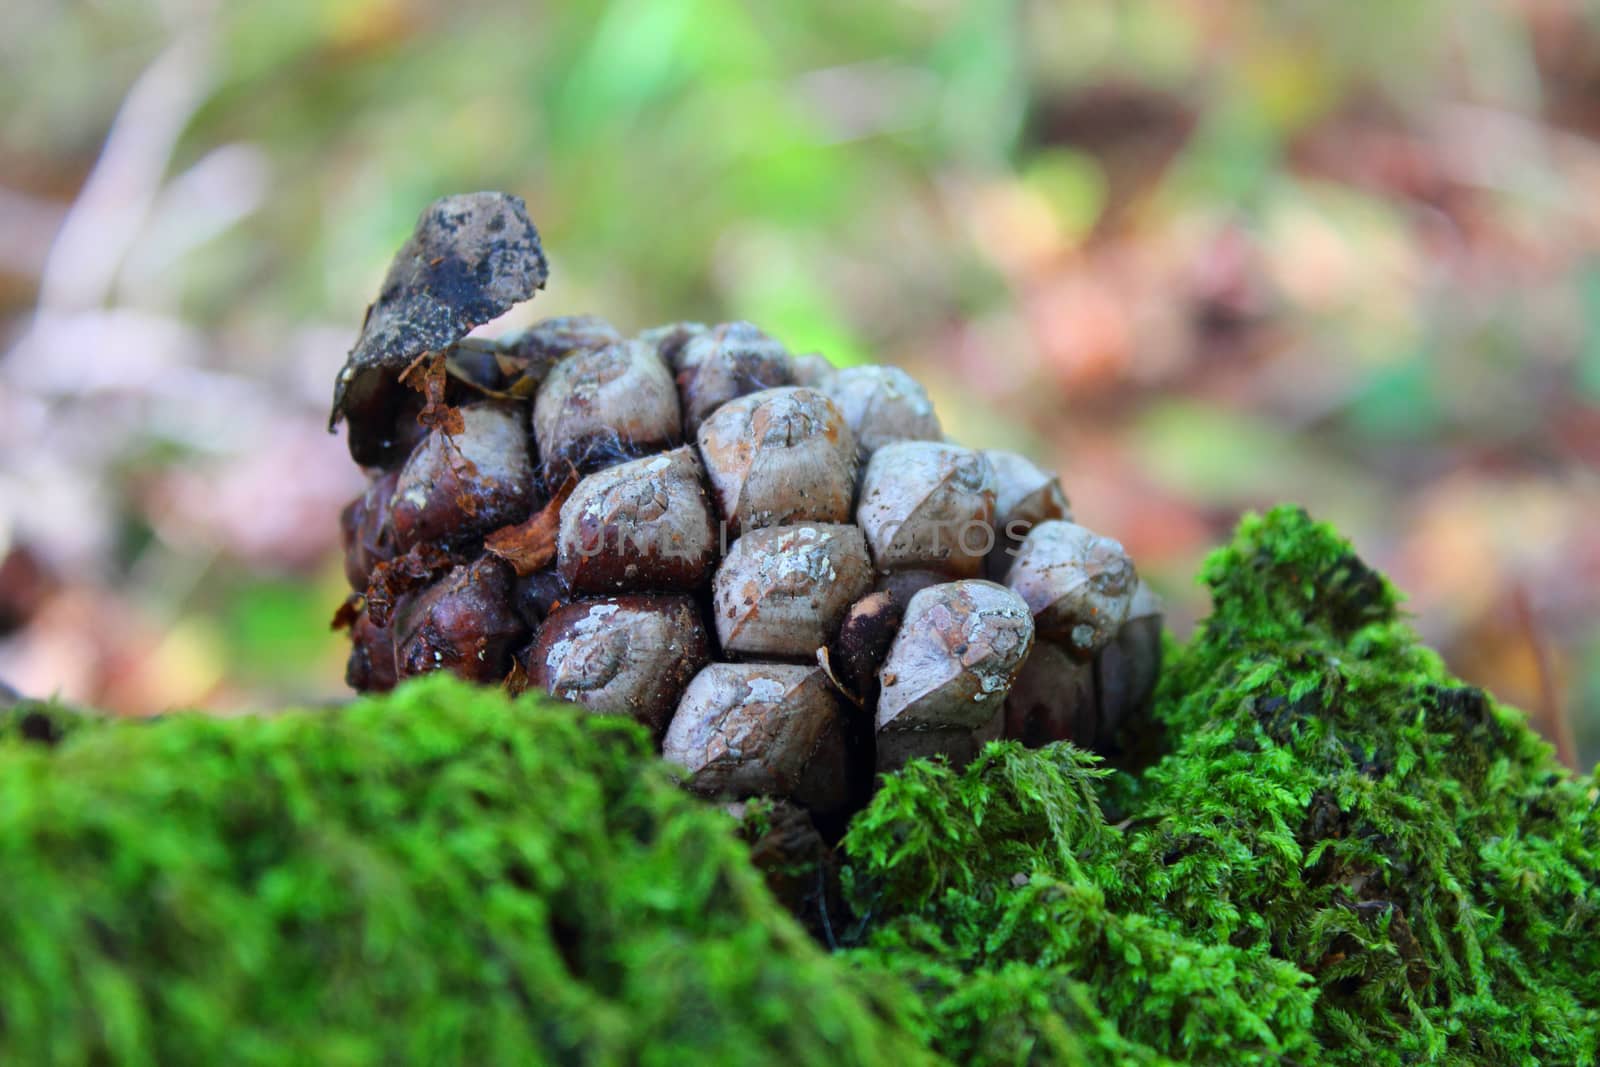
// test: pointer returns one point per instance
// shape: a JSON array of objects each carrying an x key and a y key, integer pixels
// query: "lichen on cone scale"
[{"x": 693, "y": 526}]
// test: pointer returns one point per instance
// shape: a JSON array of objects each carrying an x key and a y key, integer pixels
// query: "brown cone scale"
[
  {"x": 626, "y": 655},
  {"x": 762, "y": 729},
  {"x": 641, "y": 525}
]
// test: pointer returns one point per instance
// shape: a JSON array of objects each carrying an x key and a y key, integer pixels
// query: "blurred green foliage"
[
  {"x": 276, "y": 627},
  {"x": 1205, "y": 255},
  {"x": 683, "y": 157}
]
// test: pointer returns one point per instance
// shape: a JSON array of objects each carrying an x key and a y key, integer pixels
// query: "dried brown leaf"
[
  {"x": 516, "y": 681},
  {"x": 531, "y": 545},
  {"x": 394, "y": 578},
  {"x": 348, "y": 612},
  {"x": 825, "y": 661},
  {"x": 428, "y": 375}
]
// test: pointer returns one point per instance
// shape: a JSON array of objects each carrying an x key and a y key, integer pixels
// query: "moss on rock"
[
  {"x": 443, "y": 876},
  {"x": 1344, "y": 856}
]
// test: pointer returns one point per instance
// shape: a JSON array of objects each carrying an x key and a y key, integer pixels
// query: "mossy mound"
[
  {"x": 440, "y": 877},
  {"x": 1344, "y": 856}
]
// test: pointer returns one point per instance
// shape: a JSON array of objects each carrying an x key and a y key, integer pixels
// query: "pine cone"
[{"x": 784, "y": 571}]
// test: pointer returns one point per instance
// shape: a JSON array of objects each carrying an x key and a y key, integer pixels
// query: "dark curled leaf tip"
[{"x": 471, "y": 258}]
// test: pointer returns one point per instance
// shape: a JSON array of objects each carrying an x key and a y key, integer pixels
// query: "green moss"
[
  {"x": 441, "y": 877},
  {"x": 1345, "y": 857},
  {"x": 996, "y": 894},
  {"x": 38, "y": 721},
  {"x": 1340, "y": 801}
]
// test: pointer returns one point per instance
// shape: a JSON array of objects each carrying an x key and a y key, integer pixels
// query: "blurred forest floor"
[{"x": 1201, "y": 255}]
